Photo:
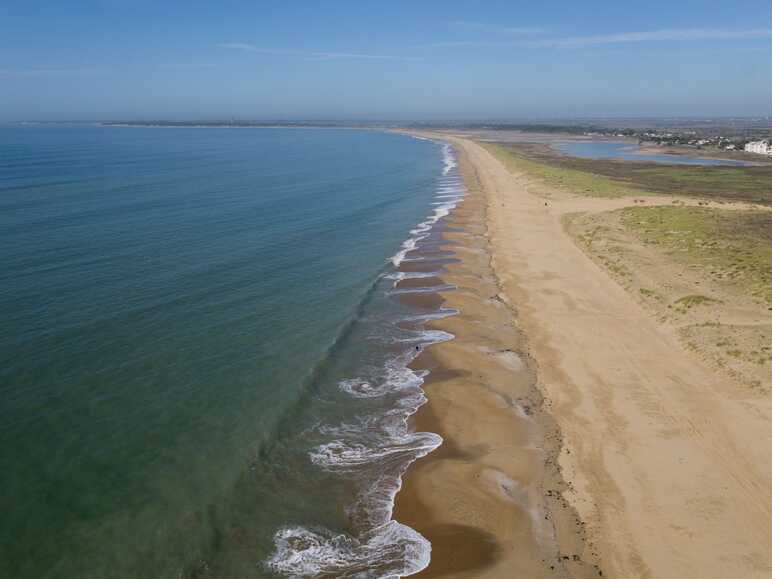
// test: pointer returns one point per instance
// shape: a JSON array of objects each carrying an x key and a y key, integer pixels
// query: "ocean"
[{"x": 203, "y": 358}]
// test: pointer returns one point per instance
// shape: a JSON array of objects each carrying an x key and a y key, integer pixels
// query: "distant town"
[{"x": 693, "y": 139}]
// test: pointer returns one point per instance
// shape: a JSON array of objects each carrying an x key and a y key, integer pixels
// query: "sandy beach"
[
  {"x": 580, "y": 437},
  {"x": 489, "y": 498}
]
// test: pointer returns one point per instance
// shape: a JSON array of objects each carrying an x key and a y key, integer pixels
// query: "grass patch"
[
  {"x": 752, "y": 184},
  {"x": 589, "y": 237},
  {"x": 733, "y": 247},
  {"x": 651, "y": 294},
  {"x": 687, "y": 302},
  {"x": 566, "y": 179},
  {"x": 618, "y": 268}
]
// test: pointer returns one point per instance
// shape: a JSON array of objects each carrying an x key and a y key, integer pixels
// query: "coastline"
[
  {"x": 489, "y": 499},
  {"x": 664, "y": 460}
]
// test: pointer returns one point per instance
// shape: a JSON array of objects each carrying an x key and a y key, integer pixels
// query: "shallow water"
[
  {"x": 203, "y": 365},
  {"x": 631, "y": 152}
]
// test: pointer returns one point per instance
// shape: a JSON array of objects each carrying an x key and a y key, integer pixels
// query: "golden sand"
[
  {"x": 488, "y": 498},
  {"x": 665, "y": 462}
]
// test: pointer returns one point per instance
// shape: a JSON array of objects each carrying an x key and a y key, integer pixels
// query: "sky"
[{"x": 383, "y": 60}]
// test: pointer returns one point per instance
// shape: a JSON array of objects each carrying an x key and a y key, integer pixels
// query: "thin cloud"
[
  {"x": 252, "y": 48},
  {"x": 48, "y": 72},
  {"x": 312, "y": 55},
  {"x": 676, "y": 34},
  {"x": 238, "y": 46},
  {"x": 186, "y": 65},
  {"x": 466, "y": 44},
  {"x": 495, "y": 29},
  {"x": 344, "y": 55},
  {"x": 523, "y": 30}
]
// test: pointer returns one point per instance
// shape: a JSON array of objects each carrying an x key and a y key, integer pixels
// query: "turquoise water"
[
  {"x": 202, "y": 370},
  {"x": 631, "y": 152}
]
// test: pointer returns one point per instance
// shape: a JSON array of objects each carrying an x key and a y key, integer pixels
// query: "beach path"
[{"x": 669, "y": 464}]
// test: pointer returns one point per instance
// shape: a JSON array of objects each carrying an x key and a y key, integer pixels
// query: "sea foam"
[
  {"x": 450, "y": 192},
  {"x": 448, "y": 159},
  {"x": 394, "y": 548}
]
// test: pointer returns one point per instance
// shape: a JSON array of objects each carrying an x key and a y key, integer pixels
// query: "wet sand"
[{"x": 489, "y": 499}]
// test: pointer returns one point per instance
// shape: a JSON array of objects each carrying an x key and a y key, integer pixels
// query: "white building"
[{"x": 759, "y": 147}]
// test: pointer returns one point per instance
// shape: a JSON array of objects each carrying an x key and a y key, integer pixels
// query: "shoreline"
[
  {"x": 372, "y": 450},
  {"x": 665, "y": 462},
  {"x": 489, "y": 498}
]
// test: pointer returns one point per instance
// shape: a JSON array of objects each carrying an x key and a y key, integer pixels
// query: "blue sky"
[{"x": 119, "y": 59}]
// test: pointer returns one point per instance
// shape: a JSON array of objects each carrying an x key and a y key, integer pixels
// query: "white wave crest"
[
  {"x": 429, "y": 337},
  {"x": 397, "y": 377},
  {"x": 400, "y": 275},
  {"x": 407, "y": 246},
  {"x": 394, "y": 549},
  {"x": 450, "y": 190},
  {"x": 438, "y": 315},
  {"x": 448, "y": 159},
  {"x": 424, "y": 290},
  {"x": 340, "y": 455}
]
